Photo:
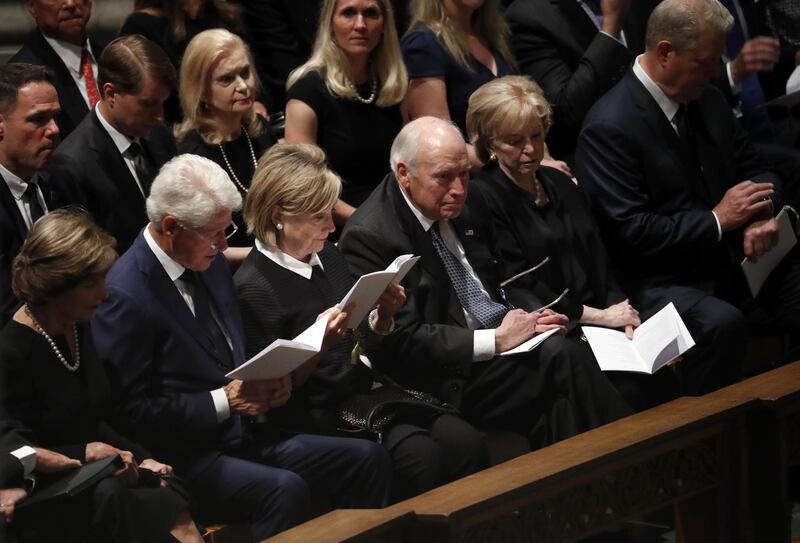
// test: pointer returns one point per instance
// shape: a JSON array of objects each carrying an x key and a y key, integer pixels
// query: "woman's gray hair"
[
  {"x": 192, "y": 189},
  {"x": 678, "y": 22},
  {"x": 406, "y": 143}
]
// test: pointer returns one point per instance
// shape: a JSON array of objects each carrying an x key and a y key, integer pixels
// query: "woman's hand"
[
  {"x": 97, "y": 450},
  {"x": 390, "y": 301},
  {"x": 157, "y": 467},
  {"x": 337, "y": 324}
]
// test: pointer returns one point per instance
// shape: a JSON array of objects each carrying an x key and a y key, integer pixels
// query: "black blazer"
[
  {"x": 36, "y": 50},
  {"x": 431, "y": 347},
  {"x": 90, "y": 163},
  {"x": 559, "y": 46},
  {"x": 12, "y": 235},
  {"x": 653, "y": 205}
]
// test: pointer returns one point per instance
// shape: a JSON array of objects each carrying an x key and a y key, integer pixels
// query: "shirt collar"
[
  {"x": 173, "y": 269},
  {"x": 423, "y": 220},
  {"x": 289, "y": 262},
  {"x": 121, "y": 141},
  {"x": 15, "y": 183},
  {"x": 70, "y": 54},
  {"x": 667, "y": 104}
]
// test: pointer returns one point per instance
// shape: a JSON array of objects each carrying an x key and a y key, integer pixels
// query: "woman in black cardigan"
[
  {"x": 293, "y": 276},
  {"x": 539, "y": 213},
  {"x": 53, "y": 384}
]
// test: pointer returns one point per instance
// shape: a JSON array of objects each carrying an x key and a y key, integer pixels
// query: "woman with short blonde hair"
[
  {"x": 346, "y": 97},
  {"x": 218, "y": 86},
  {"x": 539, "y": 213}
]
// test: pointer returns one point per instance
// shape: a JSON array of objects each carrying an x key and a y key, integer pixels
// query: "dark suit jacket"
[
  {"x": 12, "y": 234},
  {"x": 654, "y": 206},
  {"x": 90, "y": 163},
  {"x": 36, "y": 50},
  {"x": 161, "y": 361},
  {"x": 431, "y": 347},
  {"x": 559, "y": 46}
]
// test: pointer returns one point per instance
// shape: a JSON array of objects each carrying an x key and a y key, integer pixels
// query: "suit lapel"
[
  {"x": 111, "y": 161},
  {"x": 423, "y": 246},
  {"x": 707, "y": 155},
  {"x": 583, "y": 29},
  {"x": 166, "y": 294},
  {"x": 11, "y": 209},
  {"x": 72, "y": 102}
]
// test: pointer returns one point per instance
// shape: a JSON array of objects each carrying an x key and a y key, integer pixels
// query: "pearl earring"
[
  {"x": 279, "y": 226},
  {"x": 492, "y": 157}
]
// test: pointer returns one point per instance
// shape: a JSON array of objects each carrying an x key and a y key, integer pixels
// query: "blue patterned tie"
[{"x": 488, "y": 312}]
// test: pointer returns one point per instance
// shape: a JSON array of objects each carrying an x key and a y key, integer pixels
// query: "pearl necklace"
[
  {"x": 372, "y": 94},
  {"x": 53, "y": 343},
  {"x": 228, "y": 164}
]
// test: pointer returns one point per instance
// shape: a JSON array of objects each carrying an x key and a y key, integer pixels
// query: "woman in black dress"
[
  {"x": 218, "y": 85},
  {"x": 295, "y": 275},
  {"x": 540, "y": 213},
  {"x": 346, "y": 98},
  {"x": 53, "y": 385}
]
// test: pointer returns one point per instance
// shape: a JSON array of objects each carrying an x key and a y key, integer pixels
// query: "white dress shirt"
[
  {"x": 70, "y": 55},
  {"x": 668, "y": 106},
  {"x": 483, "y": 341},
  {"x": 174, "y": 271},
  {"x": 17, "y": 187}
]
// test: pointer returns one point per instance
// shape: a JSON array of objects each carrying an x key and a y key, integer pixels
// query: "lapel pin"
[{"x": 469, "y": 232}]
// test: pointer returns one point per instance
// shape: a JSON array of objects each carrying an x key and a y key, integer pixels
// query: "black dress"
[
  {"x": 64, "y": 411},
  {"x": 357, "y": 137},
  {"x": 426, "y": 56},
  {"x": 279, "y": 303},
  {"x": 565, "y": 231},
  {"x": 240, "y": 159}
]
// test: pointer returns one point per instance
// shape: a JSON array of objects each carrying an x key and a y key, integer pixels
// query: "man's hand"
[
  {"x": 254, "y": 398},
  {"x": 517, "y": 326},
  {"x": 97, "y": 450},
  {"x": 52, "y": 462},
  {"x": 155, "y": 466},
  {"x": 760, "y": 237},
  {"x": 614, "y": 12},
  {"x": 741, "y": 202},
  {"x": 757, "y": 55},
  {"x": 8, "y": 500},
  {"x": 390, "y": 301}
]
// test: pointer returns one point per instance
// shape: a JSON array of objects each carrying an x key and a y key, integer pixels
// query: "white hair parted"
[
  {"x": 192, "y": 189},
  {"x": 406, "y": 144}
]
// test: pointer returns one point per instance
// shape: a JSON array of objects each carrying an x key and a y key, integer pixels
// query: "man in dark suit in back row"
[
  {"x": 28, "y": 135},
  {"x": 682, "y": 196},
  {"x": 576, "y": 50},
  {"x": 61, "y": 42},
  {"x": 113, "y": 155},
  {"x": 457, "y": 321}
]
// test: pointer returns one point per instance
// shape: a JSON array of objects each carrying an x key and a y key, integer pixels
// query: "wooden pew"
[
  {"x": 683, "y": 453},
  {"x": 772, "y": 447},
  {"x": 352, "y": 526}
]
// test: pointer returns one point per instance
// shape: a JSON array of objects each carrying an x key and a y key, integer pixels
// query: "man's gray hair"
[
  {"x": 192, "y": 189},
  {"x": 406, "y": 143},
  {"x": 678, "y": 21}
]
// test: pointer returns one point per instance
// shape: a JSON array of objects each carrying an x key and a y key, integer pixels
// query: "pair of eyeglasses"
[{"x": 229, "y": 231}]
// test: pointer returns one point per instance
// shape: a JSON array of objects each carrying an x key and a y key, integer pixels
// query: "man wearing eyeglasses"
[{"x": 168, "y": 333}]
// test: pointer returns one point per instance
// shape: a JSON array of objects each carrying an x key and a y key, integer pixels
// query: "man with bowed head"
[
  {"x": 457, "y": 318},
  {"x": 682, "y": 196},
  {"x": 168, "y": 333}
]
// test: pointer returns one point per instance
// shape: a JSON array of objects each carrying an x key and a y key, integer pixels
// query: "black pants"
[
  {"x": 554, "y": 392},
  {"x": 425, "y": 456}
]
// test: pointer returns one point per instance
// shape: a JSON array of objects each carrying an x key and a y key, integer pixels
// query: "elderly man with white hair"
[
  {"x": 458, "y": 319},
  {"x": 170, "y": 330}
]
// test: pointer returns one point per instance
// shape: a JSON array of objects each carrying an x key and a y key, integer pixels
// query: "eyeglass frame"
[{"x": 214, "y": 245}]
